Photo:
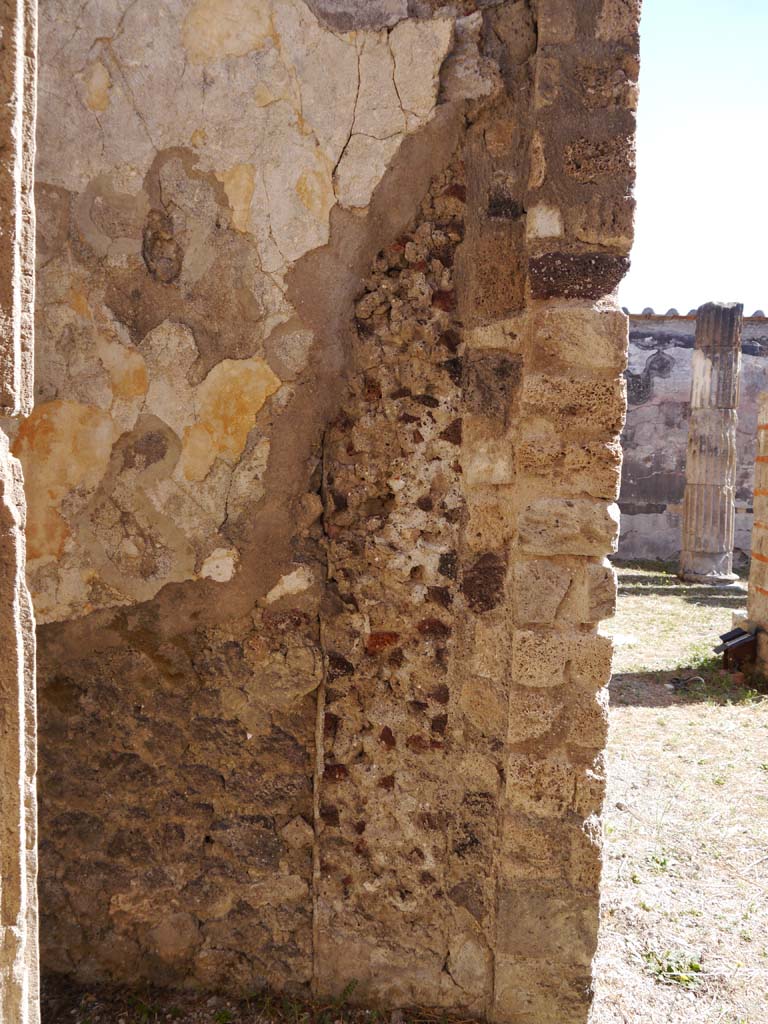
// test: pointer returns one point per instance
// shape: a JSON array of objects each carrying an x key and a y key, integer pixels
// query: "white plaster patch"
[
  {"x": 288, "y": 351},
  {"x": 378, "y": 111},
  {"x": 362, "y": 167},
  {"x": 169, "y": 351},
  {"x": 419, "y": 49},
  {"x": 489, "y": 462},
  {"x": 272, "y": 100},
  {"x": 399, "y": 80},
  {"x": 220, "y": 565},
  {"x": 701, "y": 379},
  {"x": 292, "y": 583},
  {"x": 500, "y": 334},
  {"x": 544, "y": 221}
]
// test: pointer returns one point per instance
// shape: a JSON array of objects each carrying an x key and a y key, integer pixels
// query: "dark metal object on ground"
[{"x": 738, "y": 647}]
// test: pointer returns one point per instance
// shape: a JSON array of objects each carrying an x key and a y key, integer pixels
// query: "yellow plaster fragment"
[
  {"x": 215, "y": 29},
  {"x": 62, "y": 445},
  {"x": 238, "y": 183},
  {"x": 315, "y": 190},
  {"x": 198, "y": 451},
  {"x": 263, "y": 95},
  {"x": 79, "y": 303},
  {"x": 198, "y": 138},
  {"x": 97, "y": 86},
  {"x": 227, "y": 402},
  {"x": 126, "y": 368}
]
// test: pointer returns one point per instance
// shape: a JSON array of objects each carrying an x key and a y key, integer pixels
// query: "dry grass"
[
  {"x": 685, "y": 897},
  {"x": 662, "y": 624},
  {"x": 684, "y": 937}
]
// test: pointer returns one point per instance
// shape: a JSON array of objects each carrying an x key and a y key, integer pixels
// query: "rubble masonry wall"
[{"x": 320, "y": 480}]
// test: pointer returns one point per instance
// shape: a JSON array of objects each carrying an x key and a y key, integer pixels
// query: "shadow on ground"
[
  {"x": 690, "y": 686},
  {"x": 664, "y": 634},
  {"x": 638, "y": 578}
]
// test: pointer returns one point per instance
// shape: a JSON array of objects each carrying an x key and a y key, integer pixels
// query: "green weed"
[{"x": 673, "y": 968}]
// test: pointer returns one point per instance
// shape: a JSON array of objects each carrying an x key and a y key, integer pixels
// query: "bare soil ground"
[
  {"x": 684, "y": 937},
  {"x": 684, "y": 933}
]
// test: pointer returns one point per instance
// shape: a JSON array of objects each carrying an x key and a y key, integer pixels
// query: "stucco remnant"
[
  {"x": 333, "y": 553},
  {"x": 224, "y": 207}
]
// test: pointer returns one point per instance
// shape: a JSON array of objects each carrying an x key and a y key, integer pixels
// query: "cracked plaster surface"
[{"x": 205, "y": 143}]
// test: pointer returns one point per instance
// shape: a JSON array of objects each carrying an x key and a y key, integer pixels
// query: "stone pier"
[
  {"x": 321, "y": 476},
  {"x": 757, "y": 603},
  {"x": 18, "y": 840},
  {"x": 708, "y": 507}
]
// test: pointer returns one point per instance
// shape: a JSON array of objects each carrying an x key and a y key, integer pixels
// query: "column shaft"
[{"x": 708, "y": 507}]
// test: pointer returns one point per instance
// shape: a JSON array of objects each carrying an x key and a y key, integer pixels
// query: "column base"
[{"x": 713, "y": 579}]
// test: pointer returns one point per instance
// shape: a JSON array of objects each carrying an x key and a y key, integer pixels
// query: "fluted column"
[{"x": 708, "y": 508}]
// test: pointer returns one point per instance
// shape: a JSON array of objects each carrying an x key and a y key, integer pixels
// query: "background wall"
[{"x": 655, "y": 436}]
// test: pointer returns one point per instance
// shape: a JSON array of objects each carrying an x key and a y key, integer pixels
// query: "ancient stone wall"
[
  {"x": 655, "y": 435},
  {"x": 320, "y": 483},
  {"x": 18, "y": 811}
]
